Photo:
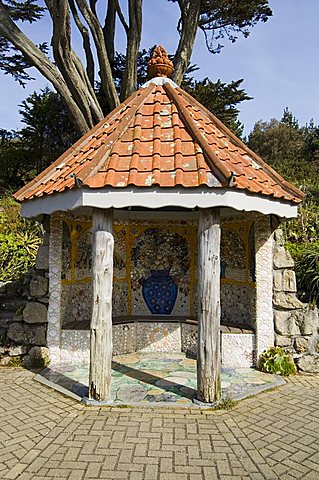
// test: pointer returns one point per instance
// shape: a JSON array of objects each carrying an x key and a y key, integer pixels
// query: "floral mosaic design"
[
  {"x": 66, "y": 251},
  {"x": 120, "y": 243},
  {"x": 83, "y": 256},
  {"x": 160, "y": 266},
  {"x": 233, "y": 255}
]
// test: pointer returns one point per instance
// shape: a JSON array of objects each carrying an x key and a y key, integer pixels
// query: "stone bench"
[{"x": 159, "y": 334}]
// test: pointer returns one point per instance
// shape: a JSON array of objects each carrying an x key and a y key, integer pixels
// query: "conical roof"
[{"x": 160, "y": 136}]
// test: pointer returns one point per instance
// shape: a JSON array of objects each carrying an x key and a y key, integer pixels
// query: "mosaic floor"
[{"x": 158, "y": 377}]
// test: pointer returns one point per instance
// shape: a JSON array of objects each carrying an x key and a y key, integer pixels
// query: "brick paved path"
[{"x": 44, "y": 435}]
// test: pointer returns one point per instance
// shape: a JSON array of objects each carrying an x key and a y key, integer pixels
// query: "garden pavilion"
[{"x": 161, "y": 224}]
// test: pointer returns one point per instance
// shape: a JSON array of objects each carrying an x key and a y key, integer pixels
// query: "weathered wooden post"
[
  {"x": 101, "y": 321},
  {"x": 208, "y": 353}
]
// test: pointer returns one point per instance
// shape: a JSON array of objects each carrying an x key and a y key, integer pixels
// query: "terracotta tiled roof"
[{"x": 160, "y": 136}]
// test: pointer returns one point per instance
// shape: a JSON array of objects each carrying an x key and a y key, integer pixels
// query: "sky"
[{"x": 278, "y": 61}]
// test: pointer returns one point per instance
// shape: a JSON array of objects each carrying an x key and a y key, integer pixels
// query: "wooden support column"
[
  {"x": 101, "y": 321},
  {"x": 208, "y": 353}
]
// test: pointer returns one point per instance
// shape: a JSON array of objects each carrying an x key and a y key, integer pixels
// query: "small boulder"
[
  {"x": 38, "y": 286},
  {"x": 42, "y": 260},
  {"x": 282, "y": 341},
  {"x": 289, "y": 283},
  {"x": 287, "y": 301},
  {"x": 38, "y": 357},
  {"x": 26, "y": 334},
  {"x": 301, "y": 344},
  {"x": 308, "y": 363},
  {"x": 277, "y": 284},
  {"x": 15, "y": 350},
  {"x": 35, "y": 312},
  {"x": 282, "y": 258}
]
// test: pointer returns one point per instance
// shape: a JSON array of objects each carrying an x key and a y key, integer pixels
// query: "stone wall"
[
  {"x": 23, "y": 335},
  {"x": 296, "y": 323}
]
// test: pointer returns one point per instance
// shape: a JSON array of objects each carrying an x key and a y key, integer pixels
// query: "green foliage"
[
  {"x": 15, "y": 362},
  {"x": 12, "y": 62},
  {"x": 226, "y": 20},
  {"x": 19, "y": 241},
  {"x": 219, "y": 98},
  {"x": 307, "y": 269},
  {"x": 46, "y": 135},
  {"x": 226, "y": 403},
  {"x": 275, "y": 360},
  {"x": 293, "y": 151}
]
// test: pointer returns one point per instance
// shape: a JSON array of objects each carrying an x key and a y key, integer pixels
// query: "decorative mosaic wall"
[
  {"x": 264, "y": 284},
  {"x": 155, "y": 269},
  {"x": 237, "y": 349}
]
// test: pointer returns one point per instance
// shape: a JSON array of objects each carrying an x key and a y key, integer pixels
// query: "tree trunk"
[
  {"x": 69, "y": 64},
  {"x": 107, "y": 81},
  {"x": 208, "y": 356},
  {"x": 39, "y": 60},
  {"x": 133, "y": 45},
  {"x": 101, "y": 322},
  {"x": 189, "y": 23}
]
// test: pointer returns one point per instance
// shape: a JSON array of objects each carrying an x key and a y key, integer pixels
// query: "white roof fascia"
[{"x": 157, "y": 197}]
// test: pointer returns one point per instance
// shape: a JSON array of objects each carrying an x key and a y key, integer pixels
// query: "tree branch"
[
  {"x": 133, "y": 44},
  {"x": 121, "y": 16},
  {"x": 109, "y": 30},
  {"x": 107, "y": 81},
  {"x": 190, "y": 10},
  {"x": 69, "y": 64},
  {"x": 39, "y": 60},
  {"x": 86, "y": 43}
]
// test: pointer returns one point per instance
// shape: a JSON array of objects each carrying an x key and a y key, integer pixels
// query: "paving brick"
[{"x": 271, "y": 436}]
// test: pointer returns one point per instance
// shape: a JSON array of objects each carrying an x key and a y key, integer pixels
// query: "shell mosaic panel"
[
  {"x": 155, "y": 270},
  {"x": 238, "y": 304}
]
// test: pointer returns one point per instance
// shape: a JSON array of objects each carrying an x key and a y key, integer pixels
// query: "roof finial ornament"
[{"x": 159, "y": 65}]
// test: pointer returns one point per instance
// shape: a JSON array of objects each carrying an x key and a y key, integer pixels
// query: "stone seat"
[{"x": 226, "y": 327}]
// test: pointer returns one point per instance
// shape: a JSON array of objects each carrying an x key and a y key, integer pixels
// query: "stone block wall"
[
  {"x": 23, "y": 332},
  {"x": 296, "y": 323}
]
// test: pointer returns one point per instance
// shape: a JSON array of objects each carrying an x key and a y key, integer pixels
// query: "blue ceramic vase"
[{"x": 160, "y": 292}]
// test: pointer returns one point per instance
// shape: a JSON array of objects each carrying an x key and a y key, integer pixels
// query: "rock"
[
  {"x": 317, "y": 346},
  {"x": 18, "y": 318},
  {"x": 287, "y": 301},
  {"x": 42, "y": 260},
  {"x": 285, "y": 323},
  {"x": 38, "y": 286},
  {"x": 282, "y": 258},
  {"x": 289, "y": 283},
  {"x": 308, "y": 363},
  {"x": 46, "y": 239},
  {"x": 27, "y": 334},
  {"x": 277, "y": 280},
  {"x": 38, "y": 357},
  {"x": 282, "y": 341},
  {"x": 35, "y": 312},
  {"x": 15, "y": 350},
  {"x": 310, "y": 321},
  {"x": 299, "y": 322},
  {"x": 301, "y": 344},
  {"x": 279, "y": 237}
]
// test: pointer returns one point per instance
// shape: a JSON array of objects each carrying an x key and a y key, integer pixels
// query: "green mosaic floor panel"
[{"x": 156, "y": 378}]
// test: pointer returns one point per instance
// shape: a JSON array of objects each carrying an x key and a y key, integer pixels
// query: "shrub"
[
  {"x": 306, "y": 257},
  {"x": 275, "y": 360},
  {"x": 19, "y": 240}
]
